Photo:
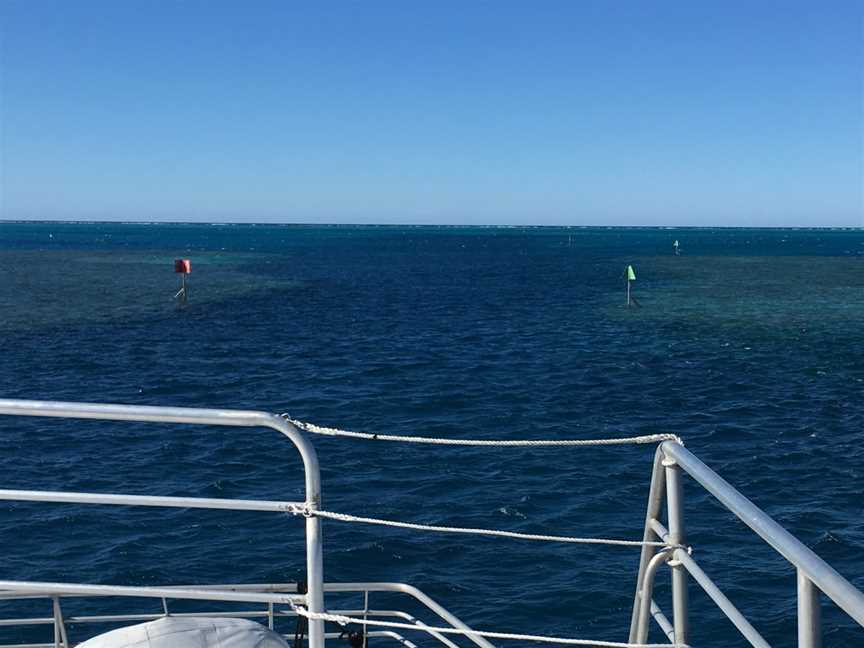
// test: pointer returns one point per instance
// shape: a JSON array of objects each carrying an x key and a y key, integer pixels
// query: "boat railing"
[
  {"x": 313, "y": 599},
  {"x": 813, "y": 574},
  {"x": 270, "y": 594},
  {"x": 661, "y": 545}
]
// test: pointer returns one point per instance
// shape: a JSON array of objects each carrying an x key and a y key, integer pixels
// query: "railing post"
[
  {"x": 56, "y": 629},
  {"x": 365, "y": 617},
  {"x": 314, "y": 580},
  {"x": 677, "y": 536},
  {"x": 59, "y": 624},
  {"x": 314, "y": 553},
  {"x": 809, "y": 613},
  {"x": 655, "y": 502},
  {"x": 646, "y": 595}
]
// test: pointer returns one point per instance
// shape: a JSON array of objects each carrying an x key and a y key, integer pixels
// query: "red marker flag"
[{"x": 182, "y": 266}]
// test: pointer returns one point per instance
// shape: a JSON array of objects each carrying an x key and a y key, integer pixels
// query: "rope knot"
[
  {"x": 299, "y": 509},
  {"x": 672, "y": 547}
]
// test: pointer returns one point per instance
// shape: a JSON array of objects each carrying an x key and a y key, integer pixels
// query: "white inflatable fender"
[{"x": 189, "y": 632}]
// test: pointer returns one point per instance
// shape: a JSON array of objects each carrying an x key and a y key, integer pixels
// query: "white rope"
[
  {"x": 344, "y": 517},
  {"x": 531, "y": 443},
  {"x": 345, "y": 620}
]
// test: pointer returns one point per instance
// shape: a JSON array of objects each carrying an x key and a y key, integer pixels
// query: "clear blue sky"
[{"x": 535, "y": 112}]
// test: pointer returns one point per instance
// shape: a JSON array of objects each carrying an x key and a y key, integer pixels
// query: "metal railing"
[
  {"x": 314, "y": 598},
  {"x": 270, "y": 594},
  {"x": 813, "y": 573},
  {"x": 671, "y": 459}
]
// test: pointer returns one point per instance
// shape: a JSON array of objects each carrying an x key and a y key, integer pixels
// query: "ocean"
[{"x": 749, "y": 345}]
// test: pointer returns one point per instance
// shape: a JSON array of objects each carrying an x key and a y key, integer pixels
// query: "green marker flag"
[{"x": 631, "y": 275}]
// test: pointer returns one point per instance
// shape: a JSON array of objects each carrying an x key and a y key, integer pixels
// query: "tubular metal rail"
[
  {"x": 671, "y": 459},
  {"x": 270, "y": 594},
  {"x": 814, "y": 574},
  {"x": 314, "y": 598}
]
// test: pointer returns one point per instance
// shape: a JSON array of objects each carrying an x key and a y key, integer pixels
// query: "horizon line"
[{"x": 440, "y": 225}]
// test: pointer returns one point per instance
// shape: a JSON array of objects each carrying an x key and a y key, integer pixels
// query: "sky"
[{"x": 469, "y": 112}]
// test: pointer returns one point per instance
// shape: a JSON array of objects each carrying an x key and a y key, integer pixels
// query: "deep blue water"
[{"x": 749, "y": 345}]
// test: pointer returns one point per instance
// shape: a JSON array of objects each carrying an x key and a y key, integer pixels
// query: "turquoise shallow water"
[{"x": 749, "y": 346}]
